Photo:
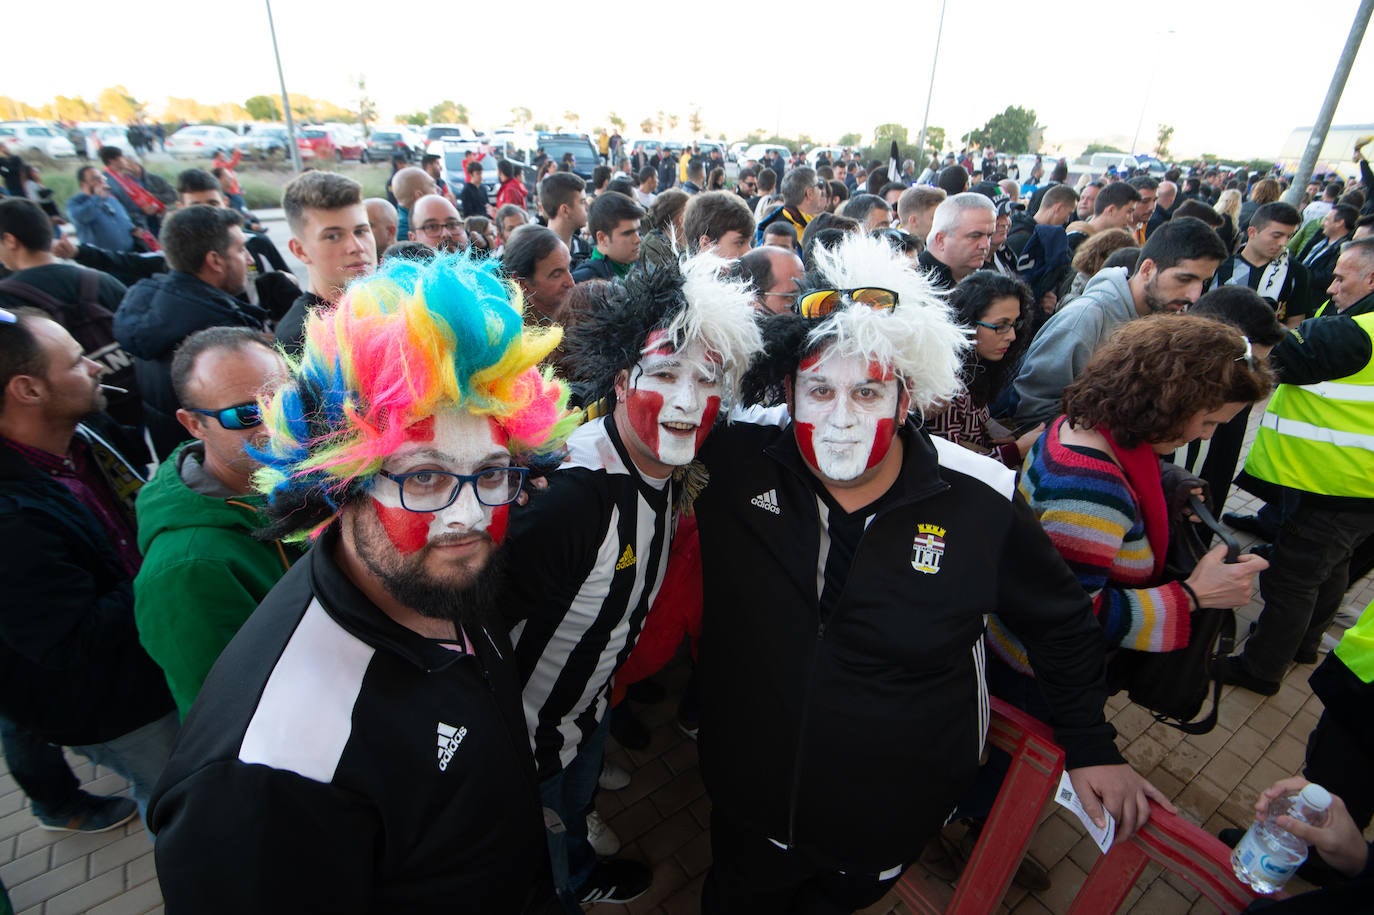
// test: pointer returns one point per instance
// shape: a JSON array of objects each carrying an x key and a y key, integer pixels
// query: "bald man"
[
  {"x": 773, "y": 272},
  {"x": 435, "y": 222},
  {"x": 407, "y": 186},
  {"x": 383, "y": 218}
]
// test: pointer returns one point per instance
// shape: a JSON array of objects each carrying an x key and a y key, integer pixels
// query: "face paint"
[
  {"x": 454, "y": 442},
  {"x": 845, "y": 410},
  {"x": 672, "y": 401}
]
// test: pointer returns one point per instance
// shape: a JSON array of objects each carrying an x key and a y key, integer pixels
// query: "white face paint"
[
  {"x": 845, "y": 413},
  {"x": 454, "y": 442},
  {"x": 672, "y": 401}
]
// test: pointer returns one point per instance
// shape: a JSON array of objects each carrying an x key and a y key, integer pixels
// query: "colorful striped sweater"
[{"x": 1086, "y": 506}]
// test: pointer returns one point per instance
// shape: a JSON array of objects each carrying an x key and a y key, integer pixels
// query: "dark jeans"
[
  {"x": 1304, "y": 585},
  {"x": 750, "y": 875},
  {"x": 571, "y": 794},
  {"x": 41, "y": 771}
]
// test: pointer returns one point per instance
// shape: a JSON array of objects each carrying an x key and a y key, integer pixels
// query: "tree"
[
  {"x": 1101, "y": 147},
  {"x": 935, "y": 140},
  {"x": 694, "y": 120},
  {"x": 849, "y": 139},
  {"x": 116, "y": 103},
  {"x": 367, "y": 106},
  {"x": 660, "y": 120},
  {"x": 646, "y": 126},
  {"x": 416, "y": 118},
  {"x": 1162, "y": 138},
  {"x": 616, "y": 121},
  {"x": 521, "y": 116},
  {"x": 1009, "y": 131},
  {"x": 449, "y": 112},
  {"x": 884, "y": 134},
  {"x": 539, "y": 127},
  {"x": 73, "y": 108},
  {"x": 572, "y": 118},
  {"x": 263, "y": 108},
  {"x": 673, "y": 121}
]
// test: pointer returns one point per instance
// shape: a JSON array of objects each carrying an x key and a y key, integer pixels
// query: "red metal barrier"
[{"x": 1179, "y": 846}]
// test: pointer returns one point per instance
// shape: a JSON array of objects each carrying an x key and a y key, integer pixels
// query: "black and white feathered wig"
[
  {"x": 919, "y": 339},
  {"x": 692, "y": 301}
]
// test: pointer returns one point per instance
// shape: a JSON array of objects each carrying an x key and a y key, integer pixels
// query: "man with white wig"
[
  {"x": 658, "y": 357},
  {"x": 849, "y": 560}
]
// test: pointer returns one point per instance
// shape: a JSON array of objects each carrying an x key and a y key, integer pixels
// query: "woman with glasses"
[
  {"x": 994, "y": 308},
  {"x": 1094, "y": 479}
]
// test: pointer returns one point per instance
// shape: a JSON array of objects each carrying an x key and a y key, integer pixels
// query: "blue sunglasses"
[{"x": 238, "y": 417}]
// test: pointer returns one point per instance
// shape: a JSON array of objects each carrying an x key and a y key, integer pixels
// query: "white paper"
[{"x": 1067, "y": 797}]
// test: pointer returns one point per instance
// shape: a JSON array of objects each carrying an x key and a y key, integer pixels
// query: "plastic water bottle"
[{"x": 1269, "y": 854}]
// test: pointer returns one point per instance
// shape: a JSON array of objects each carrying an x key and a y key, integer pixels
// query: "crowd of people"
[{"x": 864, "y": 447}]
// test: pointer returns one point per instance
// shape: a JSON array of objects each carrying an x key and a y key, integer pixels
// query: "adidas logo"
[
  {"x": 449, "y": 740},
  {"x": 626, "y": 560},
  {"x": 768, "y": 501}
]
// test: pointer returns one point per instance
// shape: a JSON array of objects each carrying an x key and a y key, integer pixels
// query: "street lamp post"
[
  {"x": 930, "y": 90},
  {"x": 285, "y": 99}
]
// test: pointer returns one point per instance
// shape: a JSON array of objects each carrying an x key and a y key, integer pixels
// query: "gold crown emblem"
[{"x": 935, "y": 529}]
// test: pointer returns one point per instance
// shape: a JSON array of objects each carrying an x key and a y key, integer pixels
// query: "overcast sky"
[{"x": 1233, "y": 77}]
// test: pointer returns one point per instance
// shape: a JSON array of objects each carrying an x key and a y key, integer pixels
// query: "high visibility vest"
[
  {"x": 1319, "y": 437},
  {"x": 1356, "y": 649}
]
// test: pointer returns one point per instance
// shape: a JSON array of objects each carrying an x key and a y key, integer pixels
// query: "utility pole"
[
  {"x": 295, "y": 150},
  {"x": 930, "y": 90},
  {"x": 1317, "y": 139}
]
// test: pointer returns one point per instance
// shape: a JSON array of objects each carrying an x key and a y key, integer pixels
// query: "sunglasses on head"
[
  {"x": 821, "y": 302},
  {"x": 235, "y": 418}
]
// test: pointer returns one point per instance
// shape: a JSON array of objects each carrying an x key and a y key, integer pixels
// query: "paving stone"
[
  {"x": 1067, "y": 879},
  {"x": 48, "y": 884},
  {"x": 635, "y": 820},
  {"x": 1226, "y": 769},
  {"x": 668, "y": 879},
  {"x": 75, "y": 845},
  {"x": 1291, "y": 697},
  {"x": 134, "y": 901},
  {"x": 680, "y": 791},
  {"x": 25, "y": 868},
  {"x": 140, "y": 870},
  {"x": 1249, "y": 744},
  {"x": 1144, "y": 753},
  {"x": 1184, "y": 762},
  {"x": 1200, "y": 799},
  {"x": 647, "y": 779},
  {"x": 686, "y": 901},
  {"x": 1030, "y": 906},
  {"x": 1210, "y": 742},
  {"x": 98, "y": 889},
  {"x": 1132, "y": 721},
  {"x": 1168, "y": 784},
  {"x": 1287, "y": 753},
  {"x": 1268, "y": 720},
  {"x": 1054, "y": 838},
  {"x": 695, "y": 856},
  {"x": 1160, "y": 899},
  {"x": 117, "y": 854},
  {"x": 667, "y": 836}
]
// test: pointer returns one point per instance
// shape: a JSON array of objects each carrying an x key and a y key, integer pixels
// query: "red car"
[{"x": 315, "y": 143}]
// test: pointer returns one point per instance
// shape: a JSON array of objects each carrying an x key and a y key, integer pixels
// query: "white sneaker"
[
  {"x": 612, "y": 777},
  {"x": 601, "y": 837}
]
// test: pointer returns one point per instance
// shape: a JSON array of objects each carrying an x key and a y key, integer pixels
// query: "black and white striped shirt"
[{"x": 587, "y": 558}]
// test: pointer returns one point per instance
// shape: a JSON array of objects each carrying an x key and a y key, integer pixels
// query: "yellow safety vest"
[
  {"x": 1356, "y": 649},
  {"x": 1319, "y": 437}
]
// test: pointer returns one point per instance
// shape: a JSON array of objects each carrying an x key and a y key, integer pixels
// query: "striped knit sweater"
[{"x": 1087, "y": 508}]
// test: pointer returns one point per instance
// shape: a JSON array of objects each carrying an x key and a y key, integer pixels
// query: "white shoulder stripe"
[
  {"x": 305, "y": 715},
  {"x": 989, "y": 471}
]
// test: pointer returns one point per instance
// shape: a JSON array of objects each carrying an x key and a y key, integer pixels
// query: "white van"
[{"x": 1100, "y": 162}]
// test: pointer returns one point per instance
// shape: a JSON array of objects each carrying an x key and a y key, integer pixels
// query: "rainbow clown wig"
[
  {"x": 692, "y": 301},
  {"x": 918, "y": 338},
  {"x": 412, "y": 340}
]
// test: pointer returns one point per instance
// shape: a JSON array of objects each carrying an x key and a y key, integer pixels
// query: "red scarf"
[
  {"x": 1141, "y": 466},
  {"x": 137, "y": 193}
]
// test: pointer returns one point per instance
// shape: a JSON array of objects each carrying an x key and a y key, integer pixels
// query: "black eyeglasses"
[
  {"x": 436, "y": 490},
  {"x": 236, "y": 418},
  {"x": 453, "y": 227},
  {"x": 1002, "y": 328}
]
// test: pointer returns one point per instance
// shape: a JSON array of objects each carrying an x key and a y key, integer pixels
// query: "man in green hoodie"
[{"x": 203, "y": 571}]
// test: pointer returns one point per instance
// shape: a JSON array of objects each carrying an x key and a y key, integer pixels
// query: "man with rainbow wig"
[
  {"x": 661, "y": 354},
  {"x": 360, "y": 746}
]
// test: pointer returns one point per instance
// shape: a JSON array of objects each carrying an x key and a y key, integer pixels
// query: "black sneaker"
[
  {"x": 615, "y": 880},
  {"x": 1250, "y": 524},
  {"x": 93, "y": 814},
  {"x": 1232, "y": 670}
]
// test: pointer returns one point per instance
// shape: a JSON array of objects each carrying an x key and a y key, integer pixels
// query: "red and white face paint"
[
  {"x": 454, "y": 442},
  {"x": 672, "y": 399},
  {"x": 845, "y": 411}
]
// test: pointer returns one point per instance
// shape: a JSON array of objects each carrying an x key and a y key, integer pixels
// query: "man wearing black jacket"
[
  {"x": 205, "y": 247},
  {"x": 848, "y": 562},
  {"x": 360, "y": 745},
  {"x": 72, "y": 671}
]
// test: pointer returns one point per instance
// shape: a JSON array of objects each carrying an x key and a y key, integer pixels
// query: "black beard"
[{"x": 471, "y": 605}]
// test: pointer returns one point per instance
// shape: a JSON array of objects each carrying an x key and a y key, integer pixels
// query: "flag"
[{"x": 894, "y": 165}]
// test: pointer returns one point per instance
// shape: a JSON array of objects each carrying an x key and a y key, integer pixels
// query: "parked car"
[
  {"x": 107, "y": 135},
  {"x": 201, "y": 140},
  {"x": 456, "y": 152},
  {"x": 348, "y": 146},
  {"x": 733, "y": 153},
  {"x": 265, "y": 141},
  {"x": 755, "y": 152},
  {"x": 457, "y": 131},
  {"x": 27, "y": 136},
  {"x": 831, "y": 152},
  {"x": 386, "y": 142},
  {"x": 318, "y": 142}
]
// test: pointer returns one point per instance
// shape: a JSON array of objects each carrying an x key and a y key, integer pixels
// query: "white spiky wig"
[
  {"x": 919, "y": 339},
  {"x": 691, "y": 301}
]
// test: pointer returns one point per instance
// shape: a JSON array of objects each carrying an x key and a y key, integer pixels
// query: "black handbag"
[{"x": 1174, "y": 685}]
